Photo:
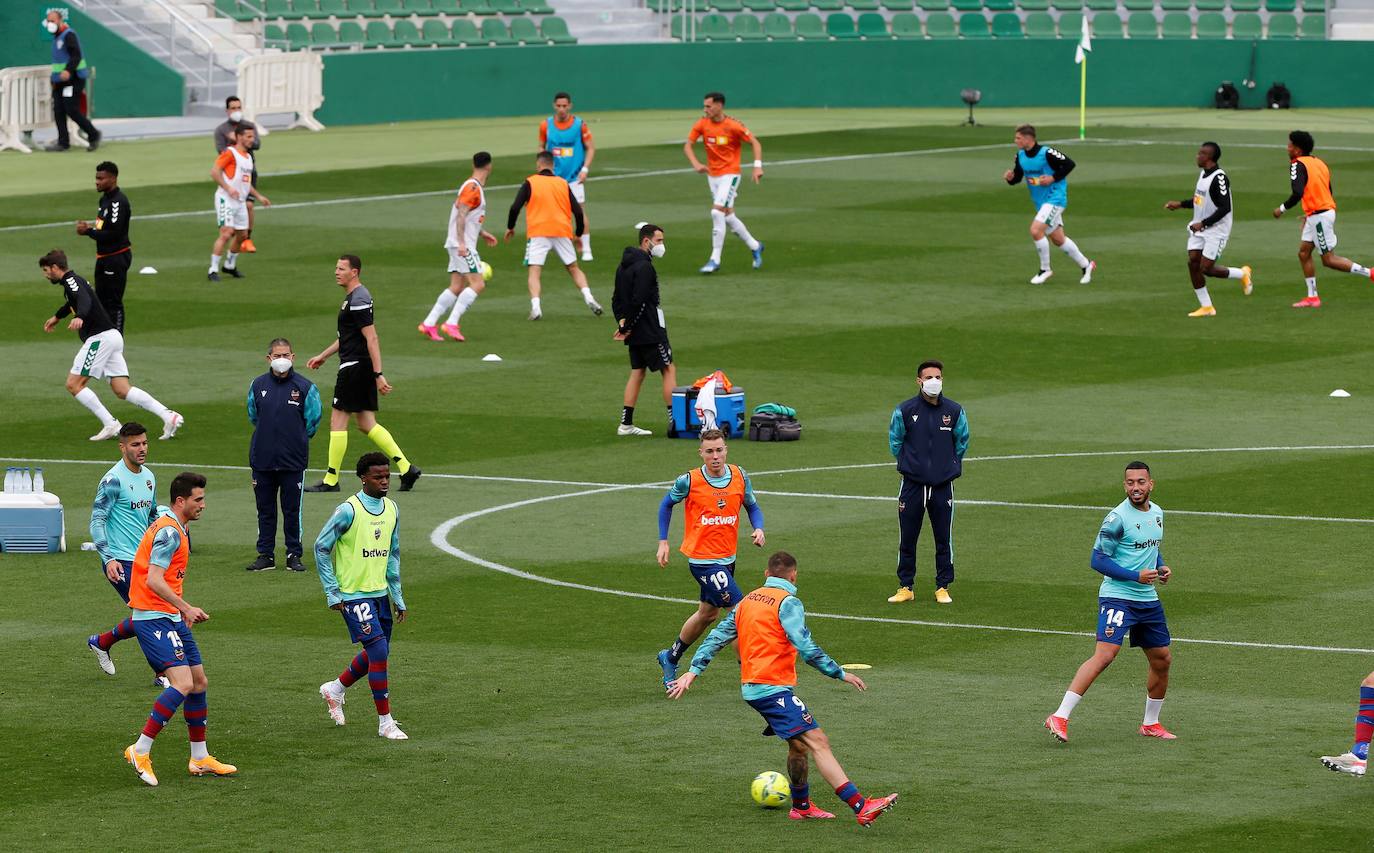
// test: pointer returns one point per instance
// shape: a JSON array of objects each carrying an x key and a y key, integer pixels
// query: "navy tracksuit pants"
[
  {"x": 266, "y": 486},
  {"x": 914, "y": 502}
]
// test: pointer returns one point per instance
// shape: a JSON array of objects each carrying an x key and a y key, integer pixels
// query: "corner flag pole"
[{"x": 1080, "y": 56}]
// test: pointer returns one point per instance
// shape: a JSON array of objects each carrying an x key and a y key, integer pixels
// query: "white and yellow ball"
[
  {"x": 487, "y": 271},
  {"x": 770, "y": 789}
]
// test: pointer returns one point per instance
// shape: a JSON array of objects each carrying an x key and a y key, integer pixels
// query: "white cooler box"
[{"x": 31, "y": 523}]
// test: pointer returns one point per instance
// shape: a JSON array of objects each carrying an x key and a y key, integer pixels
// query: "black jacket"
[{"x": 635, "y": 301}]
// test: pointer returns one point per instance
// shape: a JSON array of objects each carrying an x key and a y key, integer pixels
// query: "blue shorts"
[
  {"x": 166, "y": 643},
  {"x": 1143, "y": 619},
  {"x": 368, "y": 618},
  {"x": 785, "y": 714},
  {"x": 718, "y": 587},
  {"x": 121, "y": 587}
]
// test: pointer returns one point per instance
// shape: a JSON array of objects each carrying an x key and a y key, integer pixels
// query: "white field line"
[{"x": 1107, "y": 140}]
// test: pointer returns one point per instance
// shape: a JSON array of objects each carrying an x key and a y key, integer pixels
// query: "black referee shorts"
[
  {"x": 355, "y": 388},
  {"x": 653, "y": 357}
]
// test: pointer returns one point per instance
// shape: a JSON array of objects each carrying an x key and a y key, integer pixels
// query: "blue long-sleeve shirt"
[
  {"x": 125, "y": 505},
  {"x": 678, "y": 493},
  {"x": 792, "y": 615},
  {"x": 335, "y": 527}
]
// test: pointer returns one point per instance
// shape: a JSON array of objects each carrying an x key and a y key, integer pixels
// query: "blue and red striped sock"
[
  {"x": 851, "y": 795},
  {"x": 194, "y": 712},
  {"x": 123, "y": 631},
  {"x": 164, "y": 707},
  {"x": 376, "y": 679},
  {"x": 801, "y": 797},
  {"x": 356, "y": 670},
  {"x": 1364, "y": 723}
]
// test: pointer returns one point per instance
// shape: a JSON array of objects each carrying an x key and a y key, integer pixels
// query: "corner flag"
[{"x": 1080, "y": 58}]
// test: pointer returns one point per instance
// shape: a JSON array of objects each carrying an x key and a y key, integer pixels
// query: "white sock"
[
  {"x": 586, "y": 242},
  {"x": 1071, "y": 249},
  {"x": 463, "y": 303},
  {"x": 1203, "y": 297},
  {"x": 442, "y": 304},
  {"x": 336, "y": 687},
  {"x": 534, "y": 304},
  {"x": 717, "y": 233},
  {"x": 1311, "y": 286},
  {"x": 144, "y": 745},
  {"x": 1042, "y": 248},
  {"x": 1235, "y": 272},
  {"x": 383, "y": 720},
  {"x": 87, "y": 398},
  {"x": 1066, "y": 707},
  {"x": 1152, "y": 707},
  {"x": 587, "y": 296},
  {"x": 214, "y": 263},
  {"x": 737, "y": 226},
  {"x": 231, "y": 260},
  {"x": 1356, "y": 269},
  {"x": 199, "y": 750},
  {"x": 144, "y": 400}
]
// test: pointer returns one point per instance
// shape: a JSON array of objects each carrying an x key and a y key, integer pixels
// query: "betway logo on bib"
[
  {"x": 369, "y": 553},
  {"x": 718, "y": 520}
]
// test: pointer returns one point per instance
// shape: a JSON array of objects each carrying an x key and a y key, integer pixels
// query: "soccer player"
[
  {"x": 1310, "y": 179},
  {"x": 110, "y": 231},
  {"x": 359, "y": 380},
  {"x": 770, "y": 624},
  {"x": 465, "y": 282},
  {"x": 569, "y": 140},
  {"x": 358, "y": 556},
  {"x": 724, "y": 137},
  {"x": 1353, "y": 762},
  {"x": 233, "y": 174},
  {"x": 1046, "y": 171},
  {"x": 224, "y": 138},
  {"x": 101, "y": 355},
  {"x": 714, "y": 493},
  {"x": 125, "y": 505},
  {"x": 1210, "y": 229},
  {"x": 635, "y": 304},
  {"x": 162, "y": 621},
  {"x": 551, "y": 211},
  {"x": 1127, "y": 554}
]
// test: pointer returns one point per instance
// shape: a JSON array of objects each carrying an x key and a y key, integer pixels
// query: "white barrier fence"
[
  {"x": 26, "y": 105},
  {"x": 282, "y": 83}
]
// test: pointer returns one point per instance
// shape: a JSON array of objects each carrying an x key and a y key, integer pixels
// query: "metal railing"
[{"x": 198, "y": 82}]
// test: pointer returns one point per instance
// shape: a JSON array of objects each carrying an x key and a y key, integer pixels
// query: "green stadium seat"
[
  {"x": 778, "y": 27},
  {"x": 323, "y": 35},
  {"x": 524, "y": 31},
  {"x": 926, "y": 6},
  {"x": 276, "y": 9},
  {"x": 873, "y": 27},
  {"x": 764, "y": 6},
  {"x": 675, "y": 26},
  {"x": 227, "y": 8},
  {"x": 364, "y": 8},
  {"x": 1107, "y": 25},
  {"x": 1066, "y": 5},
  {"x": 326, "y": 8},
  {"x": 940, "y": 25},
  {"x": 1000, "y": 5},
  {"x": 810, "y": 27},
  {"x": 555, "y": 29},
  {"x": 241, "y": 12},
  {"x": 827, "y": 5},
  {"x": 1281, "y": 5},
  {"x": 1314, "y": 6},
  {"x": 1101, "y": 5},
  {"x": 1313, "y": 26},
  {"x": 972, "y": 25},
  {"x": 1211, "y": 25},
  {"x": 465, "y": 32},
  {"x": 476, "y": 7},
  {"x": 1175, "y": 5},
  {"x": 378, "y": 35},
  {"x": 714, "y": 28},
  {"x": 1247, "y": 25},
  {"x": 1006, "y": 25},
  {"x": 274, "y": 36},
  {"x": 494, "y": 32},
  {"x": 905, "y": 25},
  {"x": 902, "y": 5},
  {"x": 727, "y": 7},
  {"x": 1283, "y": 26},
  {"x": 841, "y": 27},
  {"x": 422, "y": 8},
  {"x": 1071, "y": 25},
  {"x": 748, "y": 27},
  {"x": 794, "y": 5},
  {"x": 1138, "y": 5},
  {"x": 864, "y": 5},
  {"x": 298, "y": 35},
  {"x": 966, "y": 5},
  {"x": 446, "y": 7},
  {"x": 394, "y": 8},
  {"x": 1039, "y": 25},
  {"x": 436, "y": 33},
  {"x": 1245, "y": 5},
  {"x": 1142, "y": 25},
  {"x": 1177, "y": 25},
  {"x": 1033, "y": 5},
  {"x": 538, "y": 7},
  {"x": 405, "y": 32},
  {"x": 1209, "y": 5}
]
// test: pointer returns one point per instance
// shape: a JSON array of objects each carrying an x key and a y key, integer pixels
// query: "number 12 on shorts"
[{"x": 363, "y": 611}]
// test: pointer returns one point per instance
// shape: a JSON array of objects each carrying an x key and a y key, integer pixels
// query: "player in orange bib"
[
  {"x": 553, "y": 217},
  {"x": 162, "y": 622},
  {"x": 770, "y": 624},
  {"x": 1311, "y": 184},
  {"x": 724, "y": 137},
  {"x": 715, "y": 493}
]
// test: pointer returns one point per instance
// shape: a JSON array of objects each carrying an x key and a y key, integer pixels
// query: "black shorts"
[
  {"x": 355, "y": 389},
  {"x": 653, "y": 357}
]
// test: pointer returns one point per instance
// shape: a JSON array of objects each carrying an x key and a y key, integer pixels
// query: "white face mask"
[
  {"x": 236, "y": 115},
  {"x": 658, "y": 250},
  {"x": 932, "y": 386},
  {"x": 50, "y": 27},
  {"x": 281, "y": 364}
]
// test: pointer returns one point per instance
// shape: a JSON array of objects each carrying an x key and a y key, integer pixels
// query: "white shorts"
[
  {"x": 579, "y": 191},
  {"x": 1319, "y": 229},
  {"x": 101, "y": 356},
  {"x": 228, "y": 212},
  {"x": 1052, "y": 215},
  {"x": 537, "y": 249},
  {"x": 724, "y": 189},
  {"x": 469, "y": 263},
  {"x": 1211, "y": 242}
]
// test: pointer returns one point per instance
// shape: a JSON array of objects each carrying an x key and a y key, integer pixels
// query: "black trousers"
[
  {"x": 111, "y": 275},
  {"x": 266, "y": 486},
  {"x": 70, "y": 107},
  {"x": 913, "y": 504}
]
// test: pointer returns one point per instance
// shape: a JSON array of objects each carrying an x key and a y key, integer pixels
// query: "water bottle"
[
  {"x": 38, "y": 480},
  {"x": 26, "y": 481},
  {"x": 9, "y": 479}
]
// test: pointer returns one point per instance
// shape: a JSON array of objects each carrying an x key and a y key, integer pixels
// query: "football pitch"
[{"x": 525, "y": 675}]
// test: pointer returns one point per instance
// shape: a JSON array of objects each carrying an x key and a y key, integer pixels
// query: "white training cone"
[
  {"x": 491, "y": 356},
  {"x": 1340, "y": 392},
  {"x": 147, "y": 271}
]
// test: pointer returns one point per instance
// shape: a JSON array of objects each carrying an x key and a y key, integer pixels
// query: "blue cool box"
[
  {"x": 729, "y": 412},
  {"x": 31, "y": 524}
]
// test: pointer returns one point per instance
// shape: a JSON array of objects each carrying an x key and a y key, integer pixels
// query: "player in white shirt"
[
  {"x": 1210, "y": 229},
  {"x": 233, "y": 174},
  {"x": 465, "y": 265}
]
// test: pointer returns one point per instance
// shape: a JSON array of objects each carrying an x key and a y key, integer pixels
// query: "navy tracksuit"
[
  {"x": 284, "y": 411},
  {"x": 928, "y": 440}
]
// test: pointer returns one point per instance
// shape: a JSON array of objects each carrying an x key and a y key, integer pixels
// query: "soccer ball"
[
  {"x": 770, "y": 789},
  {"x": 487, "y": 271}
]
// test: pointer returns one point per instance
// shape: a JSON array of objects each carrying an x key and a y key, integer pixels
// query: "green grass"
[{"x": 534, "y": 710}]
